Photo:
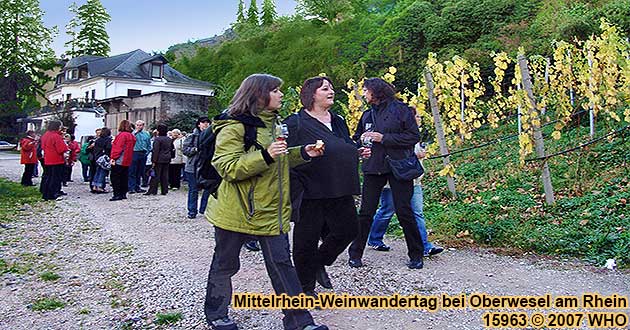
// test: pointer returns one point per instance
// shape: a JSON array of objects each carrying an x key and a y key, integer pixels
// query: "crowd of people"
[
  {"x": 301, "y": 170},
  {"x": 132, "y": 160}
]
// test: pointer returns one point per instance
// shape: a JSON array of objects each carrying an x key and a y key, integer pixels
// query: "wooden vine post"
[
  {"x": 439, "y": 129},
  {"x": 538, "y": 138}
]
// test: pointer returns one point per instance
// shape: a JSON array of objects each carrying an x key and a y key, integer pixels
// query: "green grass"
[
  {"x": 47, "y": 304},
  {"x": 84, "y": 311},
  {"x": 14, "y": 267},
  {"x": 49, "y": 276},
  {"x": 500, "y": 203},
  {"x": 13, "y": 196},
  {"x": 168, "y": 318}
]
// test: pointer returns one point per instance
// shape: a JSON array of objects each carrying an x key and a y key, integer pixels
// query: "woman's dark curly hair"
[{"x": 381, "y": 89}]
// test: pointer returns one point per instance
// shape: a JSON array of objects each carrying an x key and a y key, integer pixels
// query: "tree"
[
  {"x": 252, "y": 13},
  {"x": 93, "y": 38},
  {"x": 268, "y": 12},
  {"x": 328, "y": 10},
  {"x": 71, "y": 30},
  {"x": 25, "y": 55},
  {"x": 240, "y": 14}
]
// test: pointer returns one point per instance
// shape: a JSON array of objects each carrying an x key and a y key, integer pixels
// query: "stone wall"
[{"x": 152, "y": 108}]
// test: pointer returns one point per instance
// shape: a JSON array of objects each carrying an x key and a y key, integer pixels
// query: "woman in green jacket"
[{"x": 253, "y": 200}]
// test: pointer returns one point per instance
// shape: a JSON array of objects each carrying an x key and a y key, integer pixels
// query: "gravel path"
[{"x": 122, "y": 263}]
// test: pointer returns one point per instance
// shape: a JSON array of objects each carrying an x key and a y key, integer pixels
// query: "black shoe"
[
  {"x": 433, "y": 251},
  {"x": 140, "y": 191},
  {"x": 381, "y": 247},
  {"x": 149, "y": 193},
  {"x": 415, "y": 264},
  {"x": 223, "y": 324},
  {"x": 64, "y": 184},
  {"x": 61, "y": 193},
  {"x": 322, "y": 278},
  {"x": 252, "y": 246},
  {"x": 315, "y": 327},
  {"x": 355, "y": 263},
  {"x": 192, "y": 216},
  {"x": 115, "y": 198},
  {"x": 131, "y": 192}
]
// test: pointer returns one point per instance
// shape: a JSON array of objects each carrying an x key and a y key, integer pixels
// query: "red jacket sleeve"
[
  {"x": 60, "y": 145},
  {"x": 118, "y": 146},
  {"x": 26, "y": 145}
]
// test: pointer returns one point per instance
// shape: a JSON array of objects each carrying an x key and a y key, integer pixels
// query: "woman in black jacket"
[
  {"x": 322, "y": 189},
  {"x": 102, "y": 146},
  {"x": 163, "y": 151},
  {"x": 389, "y": 126}
]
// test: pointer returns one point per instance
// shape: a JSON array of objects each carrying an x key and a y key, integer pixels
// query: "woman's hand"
[
  {"x": 376, "y": 136},
  {"x": 365, "y": 152},
  {"x": 277, "y": 148},
  {"x": 312, "y": 151}
]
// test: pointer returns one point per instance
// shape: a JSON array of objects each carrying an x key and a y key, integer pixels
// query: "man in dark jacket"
[
  {"x": 390, "y": 128},
  {"x": 163, "y": 151},
  {"x": 191, "y": 150}
]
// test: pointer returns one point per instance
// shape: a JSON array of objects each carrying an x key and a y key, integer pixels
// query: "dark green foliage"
[
  {"x": 500, "y": 204},
  {"x": 356, "y": 38},
  {"x": 92, "y": 38},
  {"x": 240, "y": 14},
  {"x": 268, "y": 13},
  {"x": 25, "y": 56},
  {"x": 168, "y": 318},
  {"x": 47, "y": 304},
  {"x": 49, "y": 276},
  {"x": 184, "y": 121},
  {"x": 252, "y": 14},
  {"x": 13, "y": 196}
]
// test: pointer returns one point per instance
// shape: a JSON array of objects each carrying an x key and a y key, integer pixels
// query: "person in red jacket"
[
  {"x": 28, "y": 157},
  {"x": 72, "y": 158},
  {"x": 54, "y": 148},
  {"x": 121, "y": 157}
]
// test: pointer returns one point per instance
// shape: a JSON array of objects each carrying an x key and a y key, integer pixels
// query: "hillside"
[{"x": 377, "y": 34}]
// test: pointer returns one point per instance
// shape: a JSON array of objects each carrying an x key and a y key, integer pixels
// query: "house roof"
[{"x": 130, "y": 66}]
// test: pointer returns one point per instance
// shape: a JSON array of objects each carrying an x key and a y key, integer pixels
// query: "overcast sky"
[{"x": 154, "y": 25}]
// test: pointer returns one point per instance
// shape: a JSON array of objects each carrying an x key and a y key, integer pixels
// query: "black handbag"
[{"x": 405, "y": 169}]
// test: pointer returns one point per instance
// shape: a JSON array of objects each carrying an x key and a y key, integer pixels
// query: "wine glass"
[
  {"x": 282, "y": 132},
  {"x": 366, "y": 141}
]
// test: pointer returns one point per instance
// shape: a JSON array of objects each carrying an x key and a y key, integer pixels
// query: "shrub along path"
[{"x": 85, "y": 262}]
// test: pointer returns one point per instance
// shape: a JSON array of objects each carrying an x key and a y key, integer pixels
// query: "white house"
[
  {"x": 132, "y": 74},
  {"x": 100, "y": 91}
]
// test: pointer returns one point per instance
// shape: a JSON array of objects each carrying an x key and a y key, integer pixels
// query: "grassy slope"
[{"x": 501, "y": 204}]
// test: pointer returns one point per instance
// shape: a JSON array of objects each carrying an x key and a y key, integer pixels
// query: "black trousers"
[
  {"x": 92, "y": 170},
  {"x": 333, "y": 219},
  {"x": 402, "y": 192},
  {"x": 175, "y": 175},
  {"x": 161, "y": 177},
  {"x": 27, "y": 176},
  {"x": 119, "y": 179},
  {"x": 50, "y": 185},
  {"x": 67, "y": 175},
  {"x": 226, "y": 263}
]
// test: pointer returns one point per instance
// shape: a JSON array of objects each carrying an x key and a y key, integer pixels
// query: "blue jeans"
[
  {"x": 193, "y": 195},
  {"x": 136, "y": 170},
  {"x": 99, "y": 177},
  {"x": 386, "y": 211}
]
